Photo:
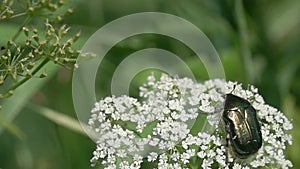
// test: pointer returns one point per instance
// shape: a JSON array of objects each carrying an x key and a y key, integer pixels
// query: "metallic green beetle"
[{"x": 242, "y": 126}]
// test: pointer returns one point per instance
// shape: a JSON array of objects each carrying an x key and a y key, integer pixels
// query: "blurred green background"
[{"x": 257, "y": 41}]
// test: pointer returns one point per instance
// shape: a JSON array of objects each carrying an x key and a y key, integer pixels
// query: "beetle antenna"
[{"x": 233, "y": 88}]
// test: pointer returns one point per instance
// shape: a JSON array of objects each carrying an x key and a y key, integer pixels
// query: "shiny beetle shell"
[{"x": 242, "y": 126}]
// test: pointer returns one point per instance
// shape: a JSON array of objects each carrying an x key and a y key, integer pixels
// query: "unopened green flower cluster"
[{"x": 22, "y": 58}]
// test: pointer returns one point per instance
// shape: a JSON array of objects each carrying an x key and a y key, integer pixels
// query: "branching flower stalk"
[
  {"x": 21, "y": 59},
  {"x": 165, "y": 120}
]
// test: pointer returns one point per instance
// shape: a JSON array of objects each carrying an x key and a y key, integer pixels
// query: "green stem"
[
  {"x": 18, "y": 15},
  {"x": 244, "y": 40},
  {"x": 11, "y": 127}
]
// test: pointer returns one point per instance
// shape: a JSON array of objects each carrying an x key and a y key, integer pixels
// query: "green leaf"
[
  {"x": 13, "y": 105},
  {"x": 59, "y": 118}
]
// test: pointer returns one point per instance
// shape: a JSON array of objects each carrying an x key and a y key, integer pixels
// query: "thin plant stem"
[
  {"x": 244, "y": 40},
  {"x": 18, "y": 15}
]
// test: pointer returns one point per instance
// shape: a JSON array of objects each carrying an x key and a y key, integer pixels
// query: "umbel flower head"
[{"x": 167, "y": 127}]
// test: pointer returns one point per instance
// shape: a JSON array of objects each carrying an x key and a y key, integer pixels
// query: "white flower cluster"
[{"x": 158, "y": 130}]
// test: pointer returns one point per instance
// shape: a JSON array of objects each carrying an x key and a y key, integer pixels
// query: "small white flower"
[
  {"x": 175, "y": 156},
  {"x": 124, "y": 165},
  {"x": 206, "y": 164},
  {"x": 152, "y": 156},
  {"x": 201, "y": 154},
  {"x": 236, "y": 166}
]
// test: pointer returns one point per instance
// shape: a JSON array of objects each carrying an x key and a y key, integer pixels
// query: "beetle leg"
[
  {"x": 227, "y": 148},
  {"x": 228, "y": 143}
]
